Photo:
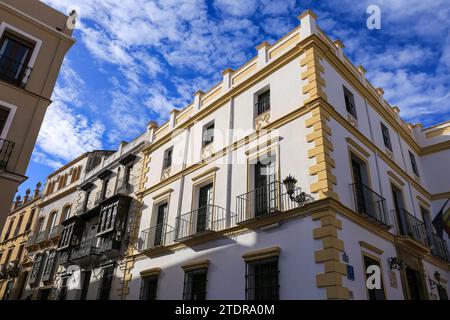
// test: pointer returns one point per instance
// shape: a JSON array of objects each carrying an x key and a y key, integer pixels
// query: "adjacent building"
[
  {"x": 96, "y": 235},
  {"x": 14, "y": 260},
  {"x": 34, "y": 39},
  {"x": 59, "y": 201}
]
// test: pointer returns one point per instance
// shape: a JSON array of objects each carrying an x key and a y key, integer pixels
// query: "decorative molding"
[
  {"x": 196, "y": 265},
  {"x": 205, "y": 173},
  {"x": 355, "y": 145},
  {"x": 150, "y": 272},
  {"x": 370, "y": 247},
  {"x": 162, "y": 194},
  {"x": 262, "y": 120},
  {"x": 261, "y": 254},
  {"x": 395, "y": 178}
]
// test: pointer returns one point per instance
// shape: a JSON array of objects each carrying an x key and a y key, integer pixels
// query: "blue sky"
[{"x": 135, "y": 60}]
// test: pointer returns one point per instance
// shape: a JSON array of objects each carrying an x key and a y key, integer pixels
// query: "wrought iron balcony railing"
[
  {"x": 159, "y": 235},
  {"x": 6, "y": 148},
  {"x": 86, "y": 248},
  {"x": 262, "y": 106},
  {"x": 100, "y": 196},
  {"x": 123, "y": 185},
  {"x": 14, "y": 72},
  {"x": 370, "y": 204},
  {"x": 205, "y": 219},
  {"x": 408, "y": 225},
  {"x": 55, "y": 231},
  {"x": 41, "y": 236},
  {"x": 265, "y": 201},
  {"x": 439, "y": 248}
]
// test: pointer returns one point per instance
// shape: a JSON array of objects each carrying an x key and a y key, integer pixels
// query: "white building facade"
[{"x": 218, "y": 222}]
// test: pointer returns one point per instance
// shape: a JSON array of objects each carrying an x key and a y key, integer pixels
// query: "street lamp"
[{"x": 290, "y": 182}]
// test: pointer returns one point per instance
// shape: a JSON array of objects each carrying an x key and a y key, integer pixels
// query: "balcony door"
[
  {"x": 205, "y": 199},
  {"x": 415, "y": 288},
  {"x": 265, "y": 188},
  {"x": 159, "y": 226},
  {"x": 399, "y": 205},
  {"x": 361, "y": 181},
  {"x": 14, "y": 56}
]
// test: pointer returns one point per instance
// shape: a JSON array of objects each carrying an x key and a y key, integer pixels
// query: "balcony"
[
  {"x": 265, "y": 201},
  {"x": 65, "y": 257},
  {"x": 14, "y": 72},
  {"x": 86, "y": 253},
  {"x": 206, "y": 219},
  {"x": 12, "y": 269},
  {"x": 411, "y": 227},
  {"x": 100, "y": 196},
  {"x": 370, "y": 205},
  {"x": 156, "y": 237},
  {"x": 6, "y": 148},
  {"x": 41, "y": 236},
  {"x": 124, "y": 186},
  {"x": 54, "y": 232},
  {"x": 110, "y": 245},
  {"x": 439, "y": 248},
  {"x": 3, "y": 274}
]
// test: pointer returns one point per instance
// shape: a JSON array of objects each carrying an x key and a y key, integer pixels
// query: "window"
[
  {"x": 107, "y": 218},
  {"x": 195, "y": 285},
  {"x": 105, "y": 283},
  {"x": 30, "y": 219},
  {"x": 8, "y": 289},
  {"x": 126, "y": 175},
  {"x": 168, "y": 158},
  {"x": 37, "y": 268},
  {"x": 63, "y": 289},
  {"x": 8, "y": 255},
  {"x": 52, "y": 220},
  {"x": 18, "y": 225},
  {"x": 65, "y": 213},
  {"x": 149, "y": 286},
  {"x": 66, "y": 236},
  {"x": 386, "y": 137},
  {"x": 263, "y": 103},
  {"x": 262, "y": 281},
  {"x": 159, "y": 225},
  {"x": 4, "y": 113},
  {"x": 15, "y": 53},
  {"x": 350, "y": 102},
  {"x": 205, "y": 200},
  {"x": 374, "y": 294},
  {"x": 208, "y": 134},
  {"x": 413, "y": 163},
  {"x": 19, "y": 254},
  {"x": 6, "y": 237},
  {"x": 49, "y": 266}
]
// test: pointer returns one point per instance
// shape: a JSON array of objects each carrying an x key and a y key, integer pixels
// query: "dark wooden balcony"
[{"x": 86, "y": 253}]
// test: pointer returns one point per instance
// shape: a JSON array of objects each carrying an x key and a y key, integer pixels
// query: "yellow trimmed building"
[{"x": 14, "y": 261}]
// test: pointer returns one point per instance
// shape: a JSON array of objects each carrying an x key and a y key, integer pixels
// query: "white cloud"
[
  {"x": 237, "y": 7},
  {"x": 66, "y": 135}
]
